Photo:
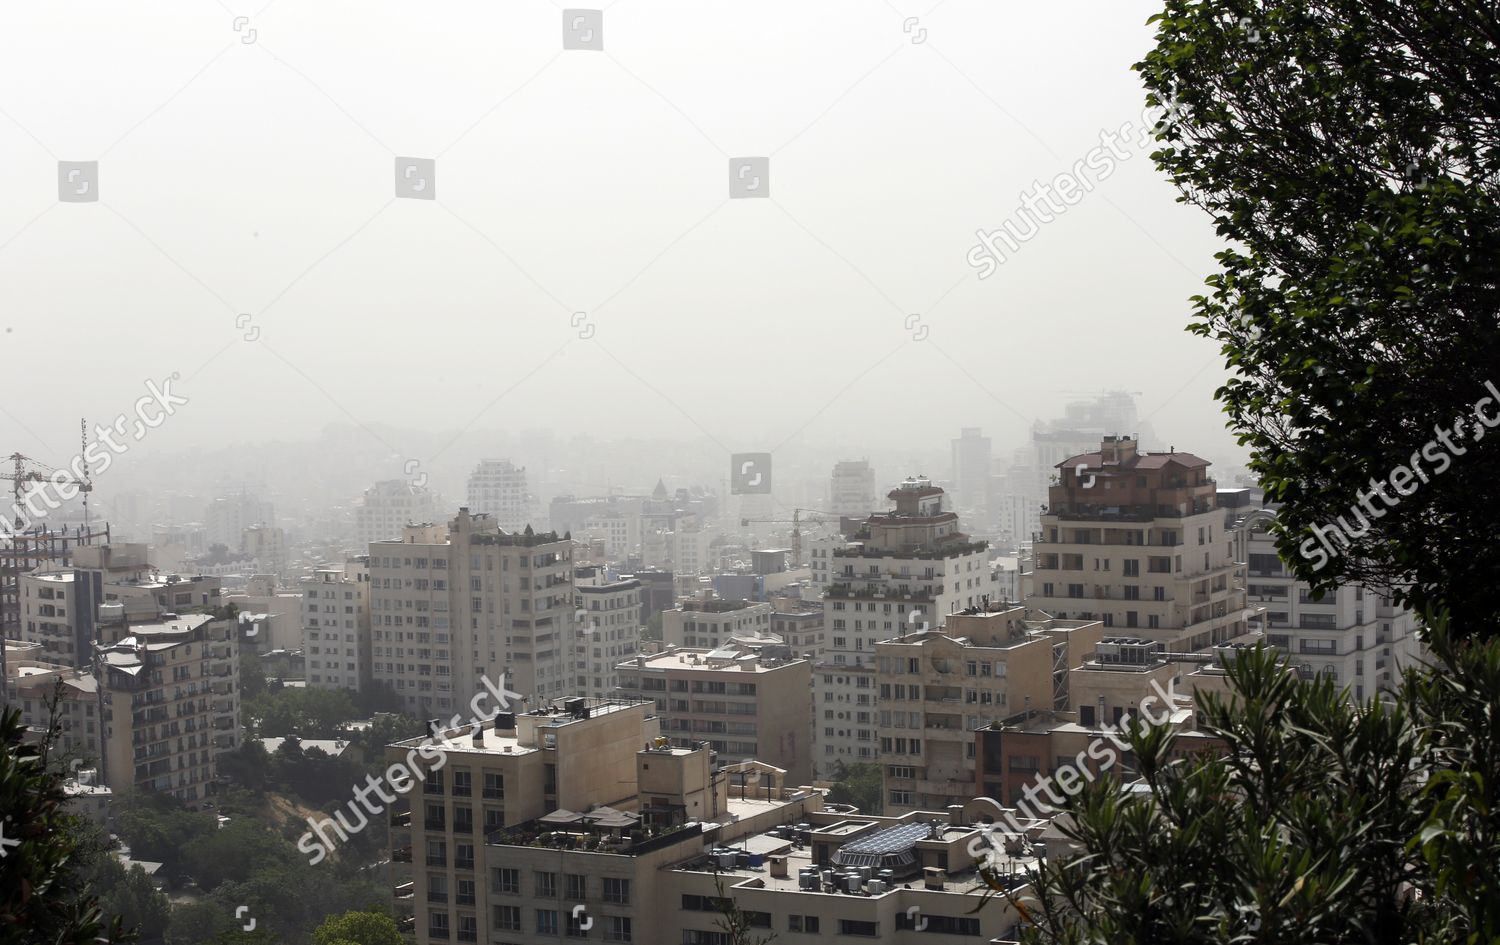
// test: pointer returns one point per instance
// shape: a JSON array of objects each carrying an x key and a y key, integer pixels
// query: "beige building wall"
[
  {"x": 937, "y": 687},
  {"x": 743, "y": 706},
  {"x": 1138, "y": 542},
  {"x": 453, "y": 606}
]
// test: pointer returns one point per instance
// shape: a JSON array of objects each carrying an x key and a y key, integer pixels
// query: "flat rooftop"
[{"x": 697, "y": 660}]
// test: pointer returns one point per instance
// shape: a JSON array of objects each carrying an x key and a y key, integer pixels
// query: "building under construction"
[{"x": 25, "y": 548}]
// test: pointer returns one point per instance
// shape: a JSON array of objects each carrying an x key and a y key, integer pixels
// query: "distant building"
[
  {"x": 745, "y": 702},
  {"x": 851, "y": 489},
  {"x": 972, "y": 462},
  {"x": 609, "y": 626},
  {"x": 391, "y": 505},
  {"x": 497, "y": 488},
  {"x": 450, "y": 605},
  {"x": 336, "y": 626},
  {"x": 226, "y": 518},
  {"x": 711, "y": 622}
]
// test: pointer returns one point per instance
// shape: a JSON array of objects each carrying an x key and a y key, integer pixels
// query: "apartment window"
[
  {"x": 435, "y": 818},
  {"x": 859, "y": 927},
  {"x": 802, "y": 923},
  {"x": 463, "y": 783},
  {"x": 1132, "y": 567},
  {"x": 463, "y": 820},
  {"x": 437, "y": 853},
  {"x": 463, "y": 856},
  {"x": 617, "y": 928},
  {"x": 433, "y": 783},
  {"x": 437, "y": 925},
  {"x": 616, "y": 890},
  {"x": 508, "y": 918},
  {"x": 576, "y": 885},
  {"x": 465, "y": 894},
  {"x": 546, "y": 921},
  {"x": 508, "y": 880},
  {"x": 1319, "y": 647},
  {"x": 546, "y": 885},
  {"x": 437, "y": 887}
]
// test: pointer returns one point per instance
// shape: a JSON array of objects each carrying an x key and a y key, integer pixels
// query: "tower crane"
[{"x": 796, "y": 522}]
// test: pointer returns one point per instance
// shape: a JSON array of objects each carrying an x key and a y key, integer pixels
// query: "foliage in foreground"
[
  {"x": 1348, "y": 151},
  {"x": 43, "y": 898},
  {"x": 1324, "y": 824}
]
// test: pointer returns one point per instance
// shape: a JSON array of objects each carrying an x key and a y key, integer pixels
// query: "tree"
[
  {"x": 358, "y": 928},
  {"x": 1347, "y": 152},
  {"x": 43, "y": 898},
  {"x": 1324, "y": 822},
  {"x": 859, "y": 785},
  {"x": 738, "y": 925}
]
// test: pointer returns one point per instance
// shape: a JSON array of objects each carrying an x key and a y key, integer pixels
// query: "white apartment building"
[
  {"x": 390, "y": 506},
  {"x": 450, "y": 605},
  {"x": 1138, "y": 542},
  {"x": 336, "y": 626},
  {"x": 608, "y": 626},
  {"x": 1354, "y": 635},
  {"x": 497, "y": 488},
  {"x": 904, "y": 571},
  {"x": 267, "y": 545},
  {"x": 851, "y": 489},
  {"x": 711, "y": 622},
  {"x": 226, "y": 518}
]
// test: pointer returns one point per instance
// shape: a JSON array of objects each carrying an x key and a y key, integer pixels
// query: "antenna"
[{"x": 88, "y": 473}]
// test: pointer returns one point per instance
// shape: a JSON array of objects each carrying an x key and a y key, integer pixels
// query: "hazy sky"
[{"x": 247, "y": 190}]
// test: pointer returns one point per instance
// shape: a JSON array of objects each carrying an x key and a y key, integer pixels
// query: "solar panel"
[{"x": 889, "y": 840}]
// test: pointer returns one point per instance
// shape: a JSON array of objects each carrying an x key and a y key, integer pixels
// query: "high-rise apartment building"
[
  {"x": 452, "y": 605},
  {"x": 227, "y": 517},
  {"x": 391, "y": 505},
  {"x": 1355, "y": 635},
  {"x": 266, "y": 544},
  {"x": 608, "y": 625},
  {"x": 497, "y": 488},
  {"x": 851, "y": 490},
  {"x": 171, "y": 702},
  {"x": 972, "y": 469},
  {"x": 905, "y": 570},
  {"x": 1138, "y": 541},
  {"x": 936, "y": 687},
  {"x": 746, "y": 702},
  {"x": 336, "y": 626}
]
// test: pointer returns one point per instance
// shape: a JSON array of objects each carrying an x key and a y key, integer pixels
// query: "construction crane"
[
  {"x": 26, "y": 548},
  {"x": 796, "y": 522}
]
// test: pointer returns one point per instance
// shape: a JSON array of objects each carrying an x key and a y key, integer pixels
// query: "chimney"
[{"x": 478, "y": 735}]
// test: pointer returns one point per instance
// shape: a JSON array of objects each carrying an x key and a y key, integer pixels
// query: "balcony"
[
  {"x": 401, "y": 854},
  {"x": 406, "y": 890}
]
